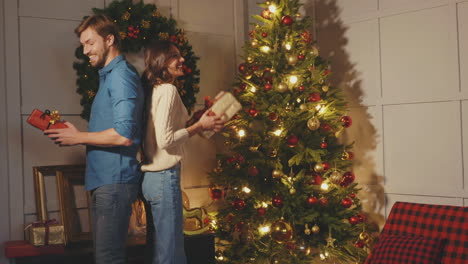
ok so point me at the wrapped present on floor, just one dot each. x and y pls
(49, 232)
(45, 120)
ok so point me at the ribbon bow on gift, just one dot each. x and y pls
(45, 224)
(54, 117)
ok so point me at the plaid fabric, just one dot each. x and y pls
(447, 223)
(406, 250)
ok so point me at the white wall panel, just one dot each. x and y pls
(399, 4)
(417, 59)
(464, 120)
(207, 16)
(423, 149)
(217, 62)
(462, 9)
(58, 9)
(392, 198)
(39, 150)
(47, 55)
(363, 51)
(356, 7)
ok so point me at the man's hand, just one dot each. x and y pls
(64, 136)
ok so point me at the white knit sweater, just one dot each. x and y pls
(165, 131)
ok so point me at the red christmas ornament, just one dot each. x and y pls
(266, 14)
(254, 67)
(264, 34)
(174, 39)
(326, 166)
(353, 220)
(253, 171)
(292, 141)
(325, 127)
(359, 244)
(273, 116)
(347, 121)
(239, 226)
(306, 37)
(312, 200)
(236, 116)
(287, 20)
(323, 201)
(290, 245)
(326, 72)
(314, 97)
(352, 195)
(242, 86)
(261, 211)
(323, 145)
(239, 204)
(253, 112)
(230, 160)
(301, 56)
(229, 218)
(188, 71)
(301, 88)
(362, 217)
(239, 158)
(346, 202)
(316, 179)
(268, 86)
(242, 68)
(347, 179)
(216, 194)
(277, 201)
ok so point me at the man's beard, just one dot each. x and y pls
(100, 63)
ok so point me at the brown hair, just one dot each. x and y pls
(103, 25)
(156, 55)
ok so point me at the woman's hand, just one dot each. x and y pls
(210, 121)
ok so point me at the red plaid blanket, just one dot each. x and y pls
(448, 223)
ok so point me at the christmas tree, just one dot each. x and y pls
(288, 192)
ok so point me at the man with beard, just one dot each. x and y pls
(112, 140)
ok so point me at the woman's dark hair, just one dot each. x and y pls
(156, 56)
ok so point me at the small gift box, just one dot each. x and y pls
(46, 233)
(45, 120)
(226, 104)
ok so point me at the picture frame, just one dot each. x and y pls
(67, 177)
(74, 203)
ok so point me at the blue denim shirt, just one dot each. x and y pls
(118, 104)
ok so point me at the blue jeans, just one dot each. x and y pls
(162, 192)
(111, 207)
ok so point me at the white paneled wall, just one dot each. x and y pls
(403, 65)
(40, 44)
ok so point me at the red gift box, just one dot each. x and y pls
(45, 120)
(22, 248)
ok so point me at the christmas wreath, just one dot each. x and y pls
(138, 25)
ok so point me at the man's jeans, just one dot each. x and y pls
(162, 192)
(111, 207)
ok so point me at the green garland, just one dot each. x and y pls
(138, 25)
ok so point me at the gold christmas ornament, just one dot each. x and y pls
(318, 167)
(335, 177)
(126, 16)
(307, 230)
(313, 123)
(254, 148)
(303, 107)
(303, 248)
(250, 59)
(276, 174)
(281, 231)
(325, 88)
(145, 23)
(273, 153)
(254, 44)
(122, 35)
(292, 59)
(345, 155)
(315, 229)
(364, 237)
(292, 191)
(282, 87)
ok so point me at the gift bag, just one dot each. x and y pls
(226, 104)
(45, 120)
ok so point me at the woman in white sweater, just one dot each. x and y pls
(166, 133)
